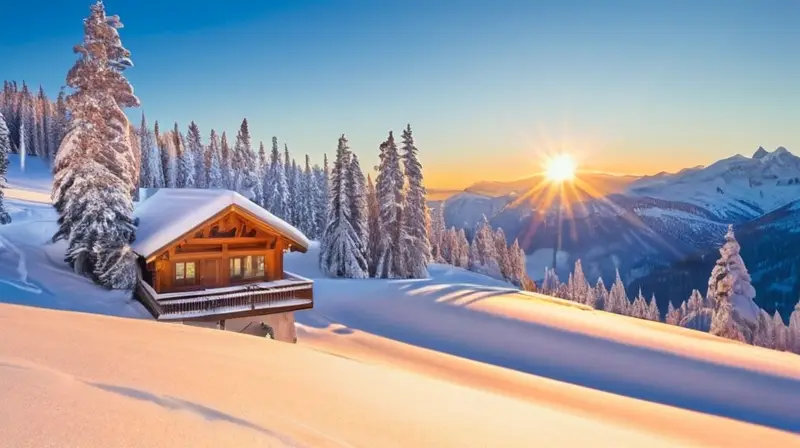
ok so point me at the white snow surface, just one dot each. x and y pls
(171, 212)
(455, 360)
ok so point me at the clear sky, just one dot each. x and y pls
(489, 86)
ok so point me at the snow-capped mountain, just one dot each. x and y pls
(638, 225)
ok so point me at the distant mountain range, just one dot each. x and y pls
(661, 231)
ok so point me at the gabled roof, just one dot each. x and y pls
(172, 212)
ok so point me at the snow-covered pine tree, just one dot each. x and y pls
(780, 332)
(277, 193)
(261, 174)
(94, 170)
(437, 232)
(639, 307)
(617, 297)
(448, 246)
(341, 253)
(580, 284)
(462, 260)
(415, 213)
(695, 302)
(320, 201)
(185, 158)
(308, 191)
(503, 257)
(172, 167)
(244, 163)
(194, 145)
(740, 292)
(227, 162)
(519, 274)
(216, 175)
(482, 253)
(550, 282)
(673, 316)
(152, 172)
(389, 185)
(652, 310)
(5, 150)
(373, 225)
(357, 192)
(723, 322)
(294, 197)
(793, 333)
(600, 295)
(765, 331)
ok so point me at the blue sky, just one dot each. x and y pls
(489, 87)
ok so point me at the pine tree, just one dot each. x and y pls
(373, 226)
(194, 145)
(357, 199)
(341, 253)
(243, 163)
(673, 316)
(415, 213)
(216, 175)
(320, 199)
(617, 297)
(308, 187)
(462, 258)
(277, 193)
(437, 233)
(652, 310)
(5, 150)
(227, 162)
(741, 311)
(780, 332)
(389, 186)
(482, 253)
(152, 172)
(551, 282)
(169, 153)
(793, 333)
(765, 331)
(600, 295)
(581, 285)
(639, 307)
(185, 158)
(261, 174)
(94, 171)
(503, 257)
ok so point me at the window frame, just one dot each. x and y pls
(243, 267)
(185, 280)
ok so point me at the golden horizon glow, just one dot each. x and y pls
(561, 168)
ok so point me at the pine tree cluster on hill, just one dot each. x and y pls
(381, 229)
(294, 193)
(95, 168)
(34, 122)
(488, 253)
(727, 310)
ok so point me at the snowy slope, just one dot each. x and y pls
(460, 358)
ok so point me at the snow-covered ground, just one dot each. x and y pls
(454, 360)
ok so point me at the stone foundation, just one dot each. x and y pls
(282, 326)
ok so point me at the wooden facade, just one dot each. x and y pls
(229, 266)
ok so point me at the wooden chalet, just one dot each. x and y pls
(211, 255)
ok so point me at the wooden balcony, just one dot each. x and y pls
(291, 293)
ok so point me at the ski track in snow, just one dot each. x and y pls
(22, 269)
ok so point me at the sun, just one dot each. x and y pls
(561, 168)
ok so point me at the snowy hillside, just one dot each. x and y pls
(496, 367)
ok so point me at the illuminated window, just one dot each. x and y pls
(251, 266)
(185, 273)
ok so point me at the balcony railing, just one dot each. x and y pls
(290, 293)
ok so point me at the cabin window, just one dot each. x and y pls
(185, 273)
(251, 266)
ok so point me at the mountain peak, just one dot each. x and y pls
(760, 153)
(781, 150)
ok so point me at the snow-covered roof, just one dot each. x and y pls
(169, 213)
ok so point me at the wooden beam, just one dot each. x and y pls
(192, 256)
(233, 240)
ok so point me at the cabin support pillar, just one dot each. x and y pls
(221, 325)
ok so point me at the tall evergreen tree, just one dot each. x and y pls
(373, 224)
(357, 192)
(216, 175)
(483, 253)
(306, 204)
(194, 145)
(277, 194)
(5, 150)
(390, 197)
(342, 250)
(185, 158)
(321, 201)
(152, 172)
(94, 172)
(244, 163)
(261, 173)
(227, 162)
(415, 213)
(741, 311)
